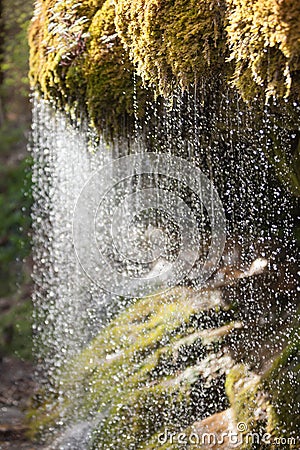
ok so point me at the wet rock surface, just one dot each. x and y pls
(17, 386)
(218, 427)
(173, 363)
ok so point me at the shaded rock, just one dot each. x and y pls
(12, 424)
(269, 404)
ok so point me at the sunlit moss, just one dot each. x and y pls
(264, 41)
(78, 62)
(84, 56)
(173, 42)
(181, 42)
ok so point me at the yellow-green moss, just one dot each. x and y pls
(84, 54)
(242, 389)
(264, 41)
(283, 384)
(77, 61)
(74, 43)
(173, 41)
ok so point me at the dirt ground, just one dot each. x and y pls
(17, 385)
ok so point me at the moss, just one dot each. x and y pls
(283, 384)
(264, 46)
(109, 73)
(169, 42)
(78, 62)
(84, 57)
(173, 41)
(126, 344)
(42, 414)
(242, 389)
(142, 413)
(269, 404)
(144, 370)
(286, 162)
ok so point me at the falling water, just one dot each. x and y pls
(65, 300)
(214, 135)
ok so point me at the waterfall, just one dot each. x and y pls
(134, 216)
(65, 300)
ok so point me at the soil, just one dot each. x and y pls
(17, 385)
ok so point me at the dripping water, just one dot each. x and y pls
(214, 134)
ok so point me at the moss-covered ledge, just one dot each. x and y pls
(78, 62)
(84, 57)
(256, 46)
(264, 42)
(169, 42)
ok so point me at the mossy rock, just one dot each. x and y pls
(106, 61)
(269, 404)
(77, 62)
(150, 367)
(173, 42)
(282, 382)
(181, 42)
(264, 45)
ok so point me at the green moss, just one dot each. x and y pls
(126, 347)
(78, 62)
(171, 42)
(42, 414)
(242, 389)
(264, 46)
(181, 42)
(84, 57)
(283, 384)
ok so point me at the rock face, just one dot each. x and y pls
(213, 432)
(269, 405)
(17, 386)
(159, 369)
